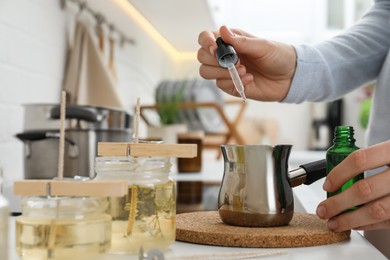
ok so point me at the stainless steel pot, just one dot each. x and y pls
(41, 151)
(256, 189)
(85, 127)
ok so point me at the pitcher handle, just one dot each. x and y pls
(308, 173)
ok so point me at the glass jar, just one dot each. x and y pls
(146, 216)
(63, 227)
(4, 212)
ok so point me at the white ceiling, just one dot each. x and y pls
(179, 21)
(298, 21)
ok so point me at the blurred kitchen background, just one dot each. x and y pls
(143, 43)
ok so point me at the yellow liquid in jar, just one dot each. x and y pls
(62, 238)
(153, 224)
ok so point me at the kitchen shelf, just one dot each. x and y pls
(212, 140)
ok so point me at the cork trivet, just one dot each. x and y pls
(207, 228)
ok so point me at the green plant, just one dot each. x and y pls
(168, 107)
(365, 105)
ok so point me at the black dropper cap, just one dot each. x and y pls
(225, 53)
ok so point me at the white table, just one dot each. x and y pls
(356, 248)
(307, 198)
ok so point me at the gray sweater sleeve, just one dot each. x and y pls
(329, 70)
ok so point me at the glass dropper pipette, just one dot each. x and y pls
(236, 80)
(227, 58)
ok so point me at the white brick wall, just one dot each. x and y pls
(32, 51)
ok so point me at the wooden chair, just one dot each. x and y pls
(212, 140)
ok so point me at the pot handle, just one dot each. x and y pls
(76, 112)
(38, 135)
(308, 173)
(32, 136)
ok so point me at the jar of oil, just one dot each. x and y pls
(146, 216)
(4, 212)
(63, 228)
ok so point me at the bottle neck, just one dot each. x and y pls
(344, 135)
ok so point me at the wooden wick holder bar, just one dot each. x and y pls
(115, 188)
(147, 150)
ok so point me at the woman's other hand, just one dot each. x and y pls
(373, 193)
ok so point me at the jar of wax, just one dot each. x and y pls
(145, 217)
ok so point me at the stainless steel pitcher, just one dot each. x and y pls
(256, 189)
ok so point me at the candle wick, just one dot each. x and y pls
(60, 170)
(136, 124)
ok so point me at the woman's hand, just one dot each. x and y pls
(373, 192)
(266, 68)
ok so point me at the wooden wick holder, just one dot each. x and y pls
(147, 150)
(115, 188)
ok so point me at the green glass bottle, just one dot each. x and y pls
(343, 145)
